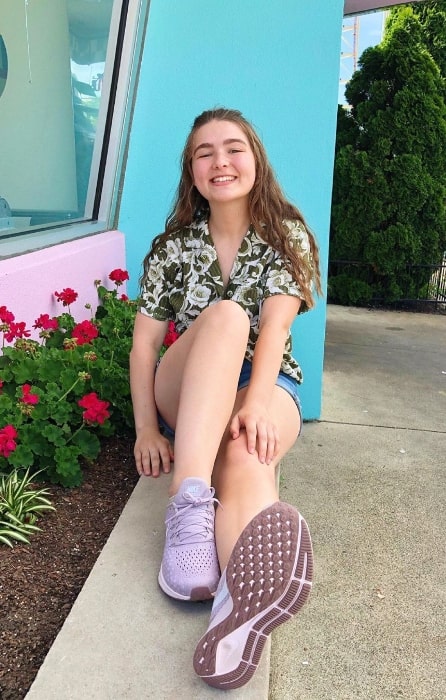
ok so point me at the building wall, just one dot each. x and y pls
(278, 64)
(28, 282)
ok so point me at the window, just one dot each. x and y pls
(61, 78)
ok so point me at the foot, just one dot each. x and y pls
(190, 570)
(267, 580)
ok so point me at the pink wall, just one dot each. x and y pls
(28, 282)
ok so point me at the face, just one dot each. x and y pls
(223, 164)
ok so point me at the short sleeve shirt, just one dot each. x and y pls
(184, 277)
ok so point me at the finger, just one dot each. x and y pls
(138, 460)
(234, 428)
(251, 436)
(166, 453)
(262, 443)
(272, 446)
(155, 463)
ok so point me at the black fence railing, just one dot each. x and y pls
(431, 295)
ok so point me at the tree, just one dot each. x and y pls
(389, 189)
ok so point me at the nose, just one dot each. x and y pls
(220, 159)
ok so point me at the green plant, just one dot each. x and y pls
(389, 187)
(20, 506)
(60, 394)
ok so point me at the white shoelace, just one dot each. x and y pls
(192, 523)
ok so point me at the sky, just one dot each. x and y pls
(370, 32)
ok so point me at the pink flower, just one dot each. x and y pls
(118, 276)
(8, 435)
(85, 332)
(67, 296)
(16, 330)
(171, 336)
(96, 409)
(27, 397)
(46, 323)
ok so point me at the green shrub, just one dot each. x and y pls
(59, 395)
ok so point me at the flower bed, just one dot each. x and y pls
(62, 393)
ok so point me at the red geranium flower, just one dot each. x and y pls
(85, 332)
(8, 444)
(171, 336)
(27, 397)
(118, 276)
(46, 323)
(1, 385)
(5, 315)
(124, 297)
(96, 409)
(67, 296)
(16, 330)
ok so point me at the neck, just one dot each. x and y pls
(230, 221)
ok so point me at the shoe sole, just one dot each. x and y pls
(269, 578)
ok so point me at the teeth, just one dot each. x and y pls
(226, 178)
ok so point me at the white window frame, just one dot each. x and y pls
(32, 240)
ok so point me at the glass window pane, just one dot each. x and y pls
(52, 100)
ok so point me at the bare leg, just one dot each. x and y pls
(196, 386)
(243, 485)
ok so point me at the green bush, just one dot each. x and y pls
(348, 290)
(59, 395)
(389, 189)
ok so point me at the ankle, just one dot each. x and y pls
(177, 484)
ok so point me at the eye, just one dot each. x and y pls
(235, 150)
(204, 155)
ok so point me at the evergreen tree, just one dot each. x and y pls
(389, 188)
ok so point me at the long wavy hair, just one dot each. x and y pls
(268, 206)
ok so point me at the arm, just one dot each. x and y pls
(278, 313)
(152, 450)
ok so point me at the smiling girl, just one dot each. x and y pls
(233, 268)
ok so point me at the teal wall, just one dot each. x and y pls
(276, 62)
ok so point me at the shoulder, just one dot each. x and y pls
(298, 235)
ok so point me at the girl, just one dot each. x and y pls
(234, 266)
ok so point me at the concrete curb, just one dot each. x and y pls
(123, 637)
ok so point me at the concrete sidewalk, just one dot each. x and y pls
(370, 480)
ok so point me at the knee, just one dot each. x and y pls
(238, 470)
(228, 315)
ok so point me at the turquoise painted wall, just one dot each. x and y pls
(276, 62)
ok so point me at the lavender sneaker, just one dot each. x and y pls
(190, 570)
(267, 580)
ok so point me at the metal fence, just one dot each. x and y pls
(433, 297)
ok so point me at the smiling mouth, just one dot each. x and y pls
(224, 178)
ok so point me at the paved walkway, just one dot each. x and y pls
(370, 479)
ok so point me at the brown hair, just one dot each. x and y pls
(268, 206)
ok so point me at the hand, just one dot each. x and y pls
(261, 432)
(152, 452)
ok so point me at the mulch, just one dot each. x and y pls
(39, 582)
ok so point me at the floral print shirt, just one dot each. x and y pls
(184, 277)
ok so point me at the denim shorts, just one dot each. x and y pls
(283, 380)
